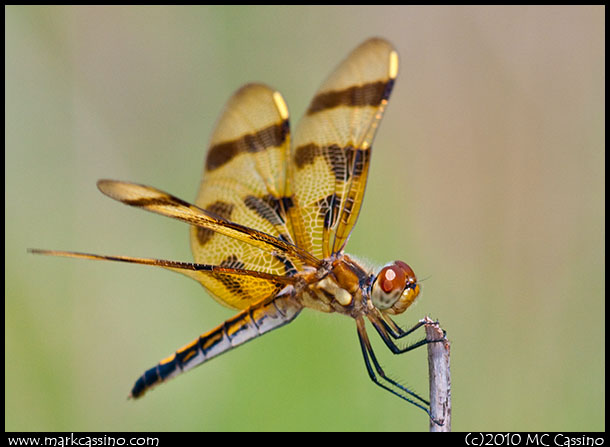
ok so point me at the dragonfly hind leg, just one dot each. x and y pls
(379, 377)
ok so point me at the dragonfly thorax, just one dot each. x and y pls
(337, 287)
(394, 288)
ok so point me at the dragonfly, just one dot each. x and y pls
(274, 212)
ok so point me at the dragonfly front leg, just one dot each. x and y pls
(395, 331)
(388, 330)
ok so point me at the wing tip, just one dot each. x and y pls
(377, 41)
(108, 187)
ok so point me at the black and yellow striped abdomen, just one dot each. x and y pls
(246, 325)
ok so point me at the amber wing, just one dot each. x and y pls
(244, 181)
(331, 150)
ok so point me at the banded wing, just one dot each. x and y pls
(243, 284)
(332, 145)
(233, 291)
(271, 307)
(244, 181)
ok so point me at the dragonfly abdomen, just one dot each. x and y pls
(246, 325)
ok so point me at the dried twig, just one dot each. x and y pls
(440, 377)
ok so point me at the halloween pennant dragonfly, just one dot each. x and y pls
(274, 212)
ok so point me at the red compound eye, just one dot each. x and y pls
(395, 288)
(392, 277)
(409, 273)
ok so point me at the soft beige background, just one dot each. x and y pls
(487, 177)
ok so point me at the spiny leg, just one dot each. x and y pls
(369, 356)
(395, 331)
(386, 327)
(386, 335)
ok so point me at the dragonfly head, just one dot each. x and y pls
(394, 288)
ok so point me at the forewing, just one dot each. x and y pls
(331, 150)
(251, 241)
(244, 181)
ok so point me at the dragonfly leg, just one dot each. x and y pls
(387, 332)
(395, 331)
(383, 380)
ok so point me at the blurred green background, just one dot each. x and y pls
(487, 178)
